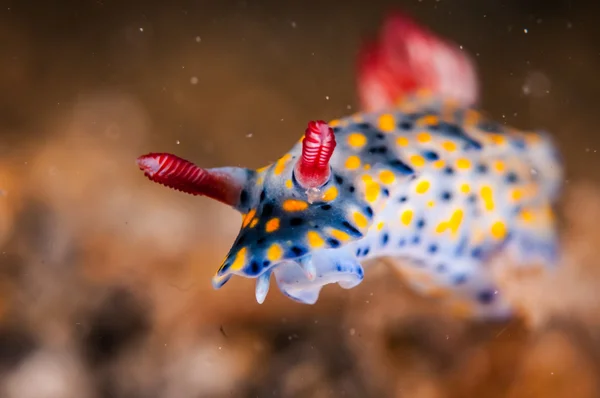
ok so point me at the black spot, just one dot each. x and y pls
(254, 267)
(405, 125)
(350, 228)
(267, 210)
(432, 248)
(378, 149)
(402, 199)
(482, 168)
(337, 129)
(486, 297)
(261, 241)
(369, 211)
(512, 177)
(454, 131)
(296, 221)
(263, 194)
(380, 136)
(401, 167)
(459, 279)
(430, 155)
(446, 195)
(421, 223)
(243, 197)
(326, 207)
(386, 192)
(351, 188)
(298, 251)
(266, 263)
(240, 240)
(448, 170)
(338, 179)
(333, 242)
(384, 239)
(364, 126)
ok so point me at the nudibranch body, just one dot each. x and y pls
(429, 181)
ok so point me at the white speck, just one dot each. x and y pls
(461, 47)
(198, 39)
(219, 347)
(249, 135)
(314, 195)
(352, 332)
(141, 29)
(525, 30)
(526, 89)
(447, 337)
(587, 149)
(194, 80)
(327, 97)
(281, 120)
(178, 142)
(294, 24)
(348, 107)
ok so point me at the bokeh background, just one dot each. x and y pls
(105, 277)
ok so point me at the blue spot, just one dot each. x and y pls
(489, 126)
(446, 195)
(432, 248)
(460, 249)
(482, 168)
(454, 131)
(486, 296)
(449, 170)
(351, 229)
(402, 242)
(441, 268)
(386, 192)
(266, 263)
(366, 251)
(254, 267)
(298, 251)
(405, 126)
(401, 167)
(402, 199)
(384, 239)
(430, 155)
(460, 279)
(358, 252)
(512, 177)
(369, 211)
(339, 268)
(421, 223)
(477, 253)
(333, 242)
(360, 271)
(519, 143)
(416, 240)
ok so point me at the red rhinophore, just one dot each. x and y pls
(312, 169)
(407, 57)
(182, 175)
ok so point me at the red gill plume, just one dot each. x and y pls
(312, 169)
(182, 175)
(407, 57)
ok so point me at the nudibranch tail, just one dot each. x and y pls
(224, 185)
(407, 58)
(312, 169)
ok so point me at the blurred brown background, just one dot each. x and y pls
(105, 278)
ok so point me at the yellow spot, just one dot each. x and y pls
(294, 205)
(449, 146)
(406, 217)
(428, 120)
(417, 160)
(455, 221)
(260, 179)
(387, 177)
(380, 225)
(314, 239)
(372, 192)
(423, 137)
(334, 123)
(367, 166)
(360, 220)
(330, 194)
(288, 183)
(387, 123)
(499, 230)
(353, 162)
(240, 260)
(366, 178)
(497, 139)
(465, 188)
(438, 164)
(262, 169)
(488, 198)
(248, 217)
(339, 235)
(431, 203)
(499, 165)
(527, 216)
(463, 163)
(517, 195)
(281, 163)
(253, 223)
(272, 225)
(422, 187)
(274, 253)
(402, 141)
(357, 140)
